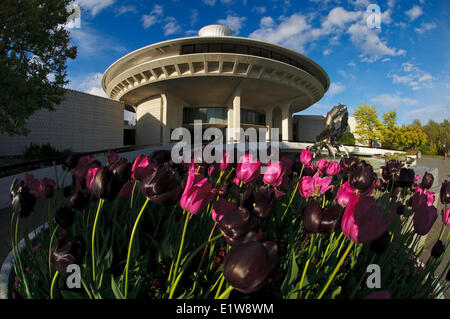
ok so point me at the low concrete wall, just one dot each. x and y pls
(82, 122)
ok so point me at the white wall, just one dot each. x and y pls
(82, 122)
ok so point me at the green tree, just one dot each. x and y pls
(368, 128)
(390, 129)
(409, 137)
(438, 136)
(34, 48)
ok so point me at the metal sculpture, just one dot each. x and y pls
(336, 124)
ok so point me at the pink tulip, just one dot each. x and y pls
(247, 169)
(197, 194)
(322, 165)
(344, 194)
(314, 186)
(419, 193)
(363, 221)
(446, 217)
(274, 174)
(141, 168)
(306, 157)
(333, 168)
(416, 178)
(33, 184)
(82, 167)
(90, 177)
(46, 187)
(222, 207)
(424, 216)
(213, 170)
(225, 162)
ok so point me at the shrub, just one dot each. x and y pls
(347, 139)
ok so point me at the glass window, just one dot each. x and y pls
(252, 117)
(209, 115)
(187, 49)
(215, 47)
(228, 48)
(242, 49)
(201, 48)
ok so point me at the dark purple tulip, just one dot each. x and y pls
(264, 201)
(311, 217)
(331, 219)
(235, 223)
(22, 201)
(247, 238)
(308, 170)
(438, 249)
(427, 180)
(64, 217)
(78, 200)
(406, 178)
(223, 190)
(400, 209)
(380, 185)
(122, 169)
(66, 252)
(444, 194)
(71, 161)
(247, 267)
(347, 163)
(106, 184)
(391, 168)
(160, 157)
(161, 186)
(380, 245)
(361, 177)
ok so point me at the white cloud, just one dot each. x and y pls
(194, 17)
(259, 10)
(372, 47)
(327, 52)
(89, 42)
(94, 6)
(291, 32)
(414, 13)
(296, 32)
(234, 22)
(412, 76)
(394, 101)
(436, 112)
(90, 83)
(125, 9)
(424, 27)
(335, 88)
(171, 26)
(153, 17)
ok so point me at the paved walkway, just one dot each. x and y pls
(39, 216)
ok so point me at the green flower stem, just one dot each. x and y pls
(333, 274)
(18, 257)
(442, 231)
(215, 284)
(326, 250)
(13, 245)
(130, 245)
(175, 271)
(100, 204)
(220, 287)
(64, 178)
(231, 171)
(209, 238)
(193, 254)
(132, 194)
(50, 252)
(293, 194)
(53, 284)
(304, 274)
(226, 293)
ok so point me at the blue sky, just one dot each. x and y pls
(402, 66)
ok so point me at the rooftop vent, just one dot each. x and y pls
(215, 30)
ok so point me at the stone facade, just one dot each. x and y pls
(82, 122)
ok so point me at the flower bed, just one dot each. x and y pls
(154, 229)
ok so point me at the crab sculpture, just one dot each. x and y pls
(336, 124)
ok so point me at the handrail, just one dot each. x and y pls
(57, 160)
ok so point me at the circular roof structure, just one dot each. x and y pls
(185, 67)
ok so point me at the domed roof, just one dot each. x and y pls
(215, 30)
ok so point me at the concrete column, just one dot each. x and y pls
(268, 123)
(286, 124)
(237, 110)
(230, 122)
(164, 119)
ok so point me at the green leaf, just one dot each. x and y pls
(117, 293)
(291, 275)
(336, 292)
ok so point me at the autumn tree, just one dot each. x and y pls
(34, 49)
(368, 128)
